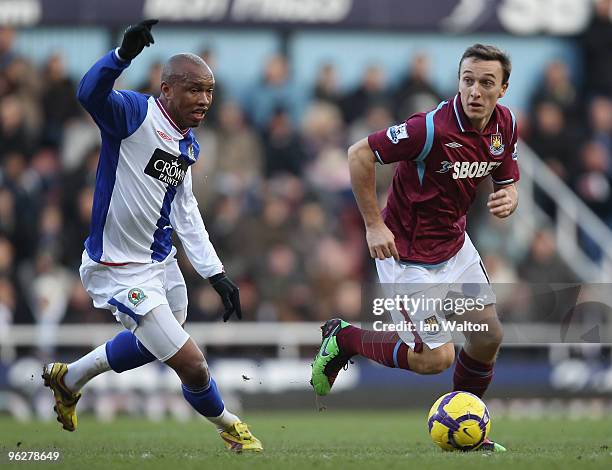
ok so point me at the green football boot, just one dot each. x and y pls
(489, 446)
(330, 360)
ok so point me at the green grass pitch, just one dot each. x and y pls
(307, 440)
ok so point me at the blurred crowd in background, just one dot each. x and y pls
(273, 187)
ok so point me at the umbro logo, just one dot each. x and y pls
(453, 145)
(163, 135)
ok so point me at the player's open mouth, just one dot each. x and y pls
(475, 105)
(199, 115)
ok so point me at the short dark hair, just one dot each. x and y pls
(487, 52)
(172, 70)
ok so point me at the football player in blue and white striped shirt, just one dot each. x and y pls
(143, 194)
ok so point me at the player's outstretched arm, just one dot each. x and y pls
(116, 113)
(362, 167)
(503, 201)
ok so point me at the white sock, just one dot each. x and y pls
(224, 421)
(83, 370)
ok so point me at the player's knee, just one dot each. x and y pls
(443, 359)
(195, 374)
(491, 337)
(435, 361)
(193, 370)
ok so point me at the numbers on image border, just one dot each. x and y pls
(33, 456)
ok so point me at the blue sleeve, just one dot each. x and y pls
(118, 113)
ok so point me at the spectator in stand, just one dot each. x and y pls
(7, 257)
(24, 185)
(326, 86)
(77, 227)
(551, 140)
(376, 117)
(283, 148)
(24, 83)
(497, 238)
(16, 310)
(50, 231)
(596, 46)
(415, 93)
(239, 149)
(50, 285)
(14, 132)
(542, 263)
(284, 286)
(8, 214)
(593, 185)
(558, 88)
(370, 92)
(275, 92)
(7, 313)
(7, 40)
(150, 86)
(542, 267)
(79, 136)
(592, 182)
(322, 129)
(59, 103)
(600, 120)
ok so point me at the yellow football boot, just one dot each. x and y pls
(238, 438)
(65, 401)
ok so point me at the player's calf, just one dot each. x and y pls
(476, 360)
(484, 345)
(340, 341)
(190, 365)
(201, 392)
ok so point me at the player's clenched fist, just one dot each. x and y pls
(503, 202)
(136, 38)
(229, 293)
(381, 242)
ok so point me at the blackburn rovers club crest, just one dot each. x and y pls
(497, 146)
(136, 296)
(191, 152)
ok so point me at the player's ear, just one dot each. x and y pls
(504, 87)
(166, 90)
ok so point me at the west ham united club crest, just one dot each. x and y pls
(497, 146)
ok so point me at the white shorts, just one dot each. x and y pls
(461, 276)
(132, 291)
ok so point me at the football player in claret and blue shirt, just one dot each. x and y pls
(419, 239)
(143, 194)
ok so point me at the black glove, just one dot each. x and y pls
(230, 295)
(135, 39)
